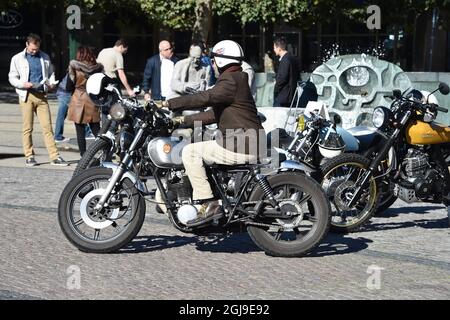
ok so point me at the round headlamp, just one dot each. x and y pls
(380, 117)
(117, 112)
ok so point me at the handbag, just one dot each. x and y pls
(69, 84)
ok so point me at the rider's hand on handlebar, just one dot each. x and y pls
(161, 104)
(147, 97)
(131, 93)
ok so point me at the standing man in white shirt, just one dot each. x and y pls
(158, 73)
(112, 60)
(31, 73)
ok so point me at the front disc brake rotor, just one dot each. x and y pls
(343, 194)
(93, 220)
(331, 185)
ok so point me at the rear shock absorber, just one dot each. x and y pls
(267, 189)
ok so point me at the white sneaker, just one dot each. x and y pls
(63, 140)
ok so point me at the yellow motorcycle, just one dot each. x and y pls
(418, 170)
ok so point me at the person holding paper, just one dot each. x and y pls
(31, 73)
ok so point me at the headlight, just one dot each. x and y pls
(380, 117)
(117, 112)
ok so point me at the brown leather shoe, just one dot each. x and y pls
(208, 211)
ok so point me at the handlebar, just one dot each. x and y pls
(442, 110)
(424, 106)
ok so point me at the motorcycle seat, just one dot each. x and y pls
(263, 161)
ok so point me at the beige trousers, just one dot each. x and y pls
(37, 104)
(195, 154)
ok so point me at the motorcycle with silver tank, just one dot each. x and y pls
(102, 209)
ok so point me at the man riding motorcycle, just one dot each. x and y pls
(234, 110)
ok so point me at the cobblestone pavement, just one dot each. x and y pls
(411, 247)
(408, 247)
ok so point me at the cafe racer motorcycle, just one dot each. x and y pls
(102, 209)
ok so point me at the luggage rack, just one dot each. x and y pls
(295, 109)
(290, 125)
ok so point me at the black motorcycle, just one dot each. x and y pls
(418, 170)
(317, 146)
(103, 208)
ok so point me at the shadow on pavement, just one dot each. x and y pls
(155, 243)
(335, 244)
(239, 242)
(10, 156)
(395, 212)
(424, 223)
(229, 242)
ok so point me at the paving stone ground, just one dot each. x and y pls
(409, 245)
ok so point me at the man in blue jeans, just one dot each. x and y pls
(64, 97)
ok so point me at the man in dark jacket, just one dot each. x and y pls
(233, 108)
(287, 75)
(158, 73)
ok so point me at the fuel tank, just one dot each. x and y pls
(423, 133)
(165, 152)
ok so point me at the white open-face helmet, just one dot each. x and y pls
(95, 88)
(227, 52)
(431, 98)
(331, 144)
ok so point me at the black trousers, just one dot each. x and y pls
(81, 138)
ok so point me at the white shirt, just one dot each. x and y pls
(112, 60)
(166, 77)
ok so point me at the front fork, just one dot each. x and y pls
(364, 180)
(118, 173)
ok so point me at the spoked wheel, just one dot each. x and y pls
(300, 223)
(339, 177)
(99, 151)
(106, 230)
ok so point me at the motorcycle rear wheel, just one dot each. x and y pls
(298, 239)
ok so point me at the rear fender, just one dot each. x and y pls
(295, 165)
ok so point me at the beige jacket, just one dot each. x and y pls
(19, 72)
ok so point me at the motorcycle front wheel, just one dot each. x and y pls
(338, 180)
(99, 151)
(306, 218)
(109, 229)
